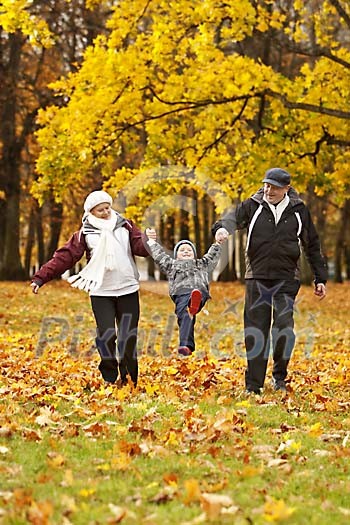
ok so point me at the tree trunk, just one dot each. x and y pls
(56, 218)
(182, 216)
(150, 269)
(205, 210)
(11, 266)
(30, 241)
(341, 242)
(164, 232)
(225, 274)
(241, 254)
(338, 278)
(347, 261)
(40, 237)
(2, 227)
(197, 225)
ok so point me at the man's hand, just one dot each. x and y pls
(221, 235)
(320, 290)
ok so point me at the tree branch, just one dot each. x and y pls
(216, 141)
(341, 11)
(186, 106)
(318, 52)
(309, 107)
(330, 140)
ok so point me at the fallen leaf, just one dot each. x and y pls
(276, 510)
(192, 491)
(212, 504)
(118, 513)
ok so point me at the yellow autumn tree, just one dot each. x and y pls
(201, 85)
(39, 41)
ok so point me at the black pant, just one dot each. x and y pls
(267, 300)
(184, 320)
(123, 312)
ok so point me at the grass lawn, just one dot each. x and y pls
(187, 446)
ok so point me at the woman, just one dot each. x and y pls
(111, 279)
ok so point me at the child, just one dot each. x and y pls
(188, 283)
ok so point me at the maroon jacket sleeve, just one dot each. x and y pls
(138, 240)
(63, 259)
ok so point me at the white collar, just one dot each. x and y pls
(279, 208)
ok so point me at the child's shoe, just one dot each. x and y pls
(195, 302)
(184, 350)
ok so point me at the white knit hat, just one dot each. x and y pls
(94, 198)
(185, 241)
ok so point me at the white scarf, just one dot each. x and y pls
(105, 256)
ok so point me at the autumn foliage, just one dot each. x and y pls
(153, 99)
(187, 446)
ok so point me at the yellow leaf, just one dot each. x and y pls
(86, 493)
(315, 430)
(276, 510)
(192, 491)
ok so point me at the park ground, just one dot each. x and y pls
(186, 446)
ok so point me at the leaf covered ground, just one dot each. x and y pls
(187, 446)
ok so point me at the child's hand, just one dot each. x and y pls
(151, 233)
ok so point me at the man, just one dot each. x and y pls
(277, 223)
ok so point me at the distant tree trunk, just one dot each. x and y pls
(225, 274)
(11, 266)
(197, 224)
(30, 241)
(181, 217)
(317, 208)
(338, 278)
(234, 270)
(56, 218)
(241, 247)
(341, 242)
(166, 234)
(347, 261)
(2, 227)
(205, 209)
(305, 270)
(25, 72)
(150, 269)
(183, 224)
(40, 237)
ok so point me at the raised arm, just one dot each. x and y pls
(211, 258)
(164, 261)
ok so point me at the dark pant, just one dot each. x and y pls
(123, 312)
(266, 301)
(184, 320)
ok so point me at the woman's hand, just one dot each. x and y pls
(151, 233)
(35, 287)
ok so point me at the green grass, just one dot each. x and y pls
(70, 450)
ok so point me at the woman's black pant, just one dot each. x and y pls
(117, 320)
(268, 318)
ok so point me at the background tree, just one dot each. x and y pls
(39, 42)
(202, 97)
